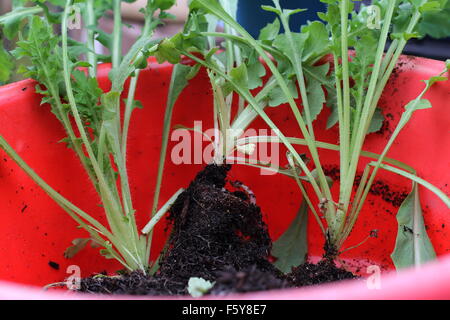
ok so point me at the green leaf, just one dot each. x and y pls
(11, 20)
(240, 76)
(180, 76)
(411, 107)
(277, 97)
(317, 40)
(162, 4)
(282, 43)
(255, 73)
(167, 52)
(290, 12)
(413, 246)
(430, 6)
(418, 105)
(436, 23)
(377, 121)
(6, 64)
(291, 247)
(270, 31)
(78, 245)
(316, 95)
(271, 9)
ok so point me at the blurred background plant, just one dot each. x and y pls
(133, 20)
(435, 28)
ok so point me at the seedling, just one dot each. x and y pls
(294, 60)
(98, 134)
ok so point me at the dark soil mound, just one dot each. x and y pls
(247, 280)
(218, 235)
(214, 229)
(133, 283)
(311, 274)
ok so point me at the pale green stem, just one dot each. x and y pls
(132, 91)
(255, 105)
(117, 34)
(91, 22)
(112, 208)
(347, 183)
(161, 212)
(305, 195)
(251, 41)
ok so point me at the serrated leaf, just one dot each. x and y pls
(6, 64)
(291, 247)
(135, 105)
(271, 9)
(413, 246)
(277, 97)
(270, 31)
(377, 121)
(282, 43)
(255, 73)
(78, 245)
(316, 95)
(167, 52)
(240, 76)
(436, 23)
(317, 40)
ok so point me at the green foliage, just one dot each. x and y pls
(69, 85)
(291, 247)
(236, 73)
(412, 246)
(436, 23)
(299, 72)
(7, 65)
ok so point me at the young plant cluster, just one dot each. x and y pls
(98, 132)
(351, 86)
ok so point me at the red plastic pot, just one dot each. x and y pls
(35, 232)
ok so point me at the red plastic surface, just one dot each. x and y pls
(35, 231)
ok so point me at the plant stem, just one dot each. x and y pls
(156, 217)
(117, 34)
(146, 31)
(347, 182)
(91, 22)
(112, 208)
(305, 195)
(418, 180)
(344, 136)
(255, 105)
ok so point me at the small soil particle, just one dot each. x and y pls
(53, 265)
